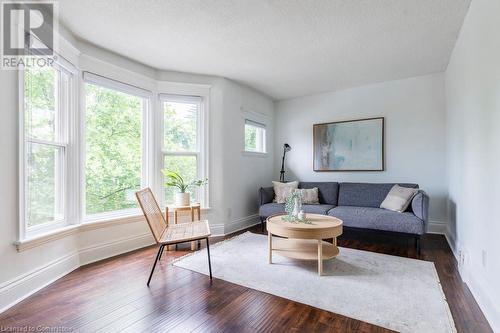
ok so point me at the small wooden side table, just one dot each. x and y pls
(194, 207)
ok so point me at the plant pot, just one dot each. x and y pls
(182, 199)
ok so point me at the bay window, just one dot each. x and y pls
(115, 145)
(87, 145)
(182, 142)
(45, 121)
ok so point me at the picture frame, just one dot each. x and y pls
(349, 145)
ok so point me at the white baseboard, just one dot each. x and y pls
(17, 289)
(437, 227)
(110, 249)
(491, 310)
(241, 223)
(217, 229)
(234, 225)
(452, 244)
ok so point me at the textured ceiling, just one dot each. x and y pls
(280, 47)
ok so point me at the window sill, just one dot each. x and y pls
(254, 154)
(47, 237)
(112, 216)
(109, 222)
(40, 239)
(43, 238)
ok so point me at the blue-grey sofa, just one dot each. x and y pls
(358, 206)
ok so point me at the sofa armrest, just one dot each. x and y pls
(266, 195)
(420, 206)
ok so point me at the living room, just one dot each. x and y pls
(252, 166)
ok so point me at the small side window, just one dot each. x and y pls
(255, 137)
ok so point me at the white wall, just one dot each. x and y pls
(230, 172)
(414, 111)
(244, 173)
(473, 118)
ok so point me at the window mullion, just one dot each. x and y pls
(46, 142)
(179, 153)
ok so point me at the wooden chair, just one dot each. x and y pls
(170, 234)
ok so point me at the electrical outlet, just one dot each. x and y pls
(484, 257)
(462, 258)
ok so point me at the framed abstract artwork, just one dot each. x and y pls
(352, 145)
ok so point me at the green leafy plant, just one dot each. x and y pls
(290, 203)
(289, 206)
(174, 179)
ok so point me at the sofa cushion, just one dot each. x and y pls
(276, 208)
(365, 194)
(327, 191)
(378, 219)
(271, 209)
(317, 209)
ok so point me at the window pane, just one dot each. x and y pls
(113, 149)
(255, 138)
(186, 166)
(180, 123)
(40, 90)
(250, 137)
(43, 184)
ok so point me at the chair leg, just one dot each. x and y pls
(262, 224)
(161, 255)
(418, 245)
(156, 260)
(209, 263)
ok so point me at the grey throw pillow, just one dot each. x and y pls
(398, 198)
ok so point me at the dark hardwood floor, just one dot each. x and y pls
(111, 296)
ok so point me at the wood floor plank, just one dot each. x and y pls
(112, 296)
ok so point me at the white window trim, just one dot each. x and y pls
(101, 81)
(75, 181)
(257, 153)
(68, 146)
(201, 97)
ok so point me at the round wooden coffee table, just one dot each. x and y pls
(304, 241)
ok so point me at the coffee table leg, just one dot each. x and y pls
(320, 256)
(270, 239)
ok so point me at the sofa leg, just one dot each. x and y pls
(417, 243)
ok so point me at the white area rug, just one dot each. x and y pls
(397, 293)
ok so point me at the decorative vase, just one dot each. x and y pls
(182, 199)
(297, 204)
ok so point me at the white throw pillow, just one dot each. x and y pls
(398, 198)
(283, 190)
(309, 196)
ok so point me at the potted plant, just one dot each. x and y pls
(174, 179)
